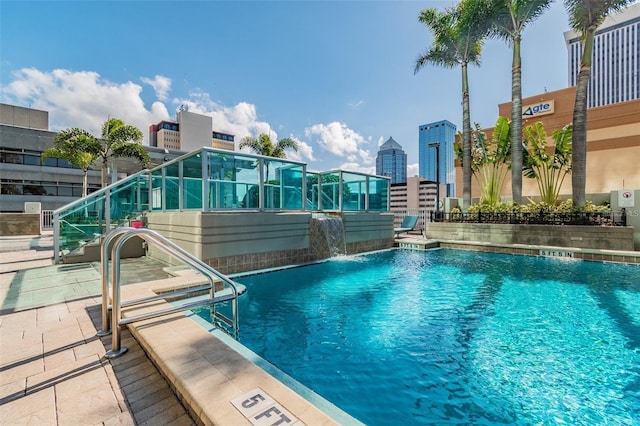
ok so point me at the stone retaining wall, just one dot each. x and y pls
(19, 224)
(589, 237)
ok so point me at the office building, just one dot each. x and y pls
(613, 144)
(615, 69)
(189, 132)
(414, 195)
(24, 135)
(392, 161)
(442, 133)
(24, 177)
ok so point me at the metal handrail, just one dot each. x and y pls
(120, 236)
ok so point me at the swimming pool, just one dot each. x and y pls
(455, 337)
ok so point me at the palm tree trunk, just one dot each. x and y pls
(85, 182)
(105, 173)
(466, 141)
(579, 141)
(516, 123)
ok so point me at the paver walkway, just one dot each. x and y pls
(52, 365)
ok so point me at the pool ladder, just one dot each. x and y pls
(112, 318)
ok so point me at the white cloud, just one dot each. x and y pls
(161, 85)
(341, 141)
(413, 169)
(355, 167)
(84, 99)
(356, 104)
(240, 120)
(305, 151)
(81, 99)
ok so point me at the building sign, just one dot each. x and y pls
(625, 198)
(535, 110)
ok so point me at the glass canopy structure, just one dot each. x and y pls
(217, 180)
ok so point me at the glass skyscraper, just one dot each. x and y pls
(392, 162)
(443, 132)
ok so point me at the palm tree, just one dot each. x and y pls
(120, 140)
(457, 41)
(509, 18)
(264, 146)
(78, 147)
(585, 16)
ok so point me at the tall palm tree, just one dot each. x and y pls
(458, 34)
(509, 19)
(264, 146)
(585, 16)
(77, 146)
(120, 140)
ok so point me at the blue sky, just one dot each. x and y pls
(335, 75)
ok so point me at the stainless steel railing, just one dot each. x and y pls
(112, 307)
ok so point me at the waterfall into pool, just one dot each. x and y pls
(327, 235)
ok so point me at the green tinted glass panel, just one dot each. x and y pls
(172, 187)
(378, 194)
(233, 181)
(354, 191)
(330, 191)
(291, 187)
(156, 190)
(192, 182)
(313, 191)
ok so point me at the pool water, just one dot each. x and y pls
(455, 337)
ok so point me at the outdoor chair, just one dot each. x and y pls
(408, 223)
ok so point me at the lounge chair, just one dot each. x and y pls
(408, 223)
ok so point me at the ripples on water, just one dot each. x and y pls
(455, 337)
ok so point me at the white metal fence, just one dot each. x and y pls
(46, 219)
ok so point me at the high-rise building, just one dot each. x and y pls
(443, 134)
(615, 69)
(190, 132)
(392, 161)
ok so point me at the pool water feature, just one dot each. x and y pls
(455, 337)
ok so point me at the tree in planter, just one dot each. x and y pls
(120, 140)
(548, 165)
(585, 16)
(78, 147)
(263, 145)
(458, 34)
(509, 18)
(490, 159)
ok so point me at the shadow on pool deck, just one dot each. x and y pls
(52, 365)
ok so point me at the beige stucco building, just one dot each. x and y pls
(613, 143)
(188, 133)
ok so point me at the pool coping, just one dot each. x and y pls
(208, 372)
(597, 255)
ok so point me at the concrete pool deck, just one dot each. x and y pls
(53, 368)
(52, 365)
